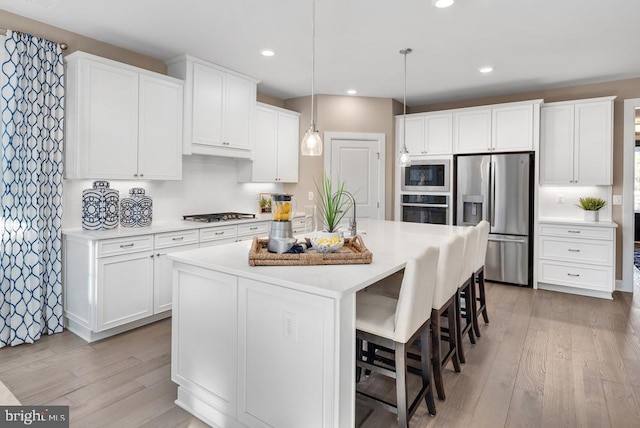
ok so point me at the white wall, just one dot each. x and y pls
(208, 185)
(551, 207)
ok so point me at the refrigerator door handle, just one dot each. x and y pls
(492, 194)
(515, 241)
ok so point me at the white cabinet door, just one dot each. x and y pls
(160, 129)
(438, 138)
(163, 277)
(472, 131)
(265, 162)
(576, 143)
(415, 135)
(556, 144)
(239, 111)
(512, 128)
(108, 119)
(276, 147)
(208, 108)
(288, 135)
(593, 144)
(124, 289)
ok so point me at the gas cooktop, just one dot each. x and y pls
(215, 217)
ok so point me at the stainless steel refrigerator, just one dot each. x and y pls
(498, 188)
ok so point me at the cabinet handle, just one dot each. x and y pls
(218, 233)
(253, 228)
(573, 231)
(573, 274)
(141, 175)
(159, 254)
(574, 251)
(127, 245)
(135, 175)
(152, 256)
(180, 238)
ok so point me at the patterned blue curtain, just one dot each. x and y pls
(31, 201)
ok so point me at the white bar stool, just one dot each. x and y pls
(395, 324)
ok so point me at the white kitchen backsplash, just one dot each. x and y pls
(560, 202)
(209, 184)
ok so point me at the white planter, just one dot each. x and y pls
(591, 215)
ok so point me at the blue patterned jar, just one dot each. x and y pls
(100, 207)
(137, 209)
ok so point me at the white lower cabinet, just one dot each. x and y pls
(166, 243)
(577, 258)
(124, 289)
(115, 284)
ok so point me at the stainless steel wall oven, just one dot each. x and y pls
(425, 208)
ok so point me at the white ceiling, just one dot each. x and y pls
(533, 44)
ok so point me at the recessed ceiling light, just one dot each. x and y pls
(267, 52)
(442, 3)
(352, 92)
(487, 69)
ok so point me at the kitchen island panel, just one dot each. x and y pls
(204, 341)
(286, 349)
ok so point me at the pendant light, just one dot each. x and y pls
(311, 144)
(403, 157)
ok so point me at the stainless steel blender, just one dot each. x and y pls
(281, 238)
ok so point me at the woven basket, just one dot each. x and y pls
(352, 252)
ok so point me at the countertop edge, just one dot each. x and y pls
(577, 222)
(160, 227)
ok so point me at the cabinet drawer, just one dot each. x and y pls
(576, 250)
(573, 231)
(117, 246)
(299, 224)
(215, 233)
(171, 239)
(253, 229)
(598, 278)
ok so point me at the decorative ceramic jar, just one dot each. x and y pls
(137, 209)
(100, 207)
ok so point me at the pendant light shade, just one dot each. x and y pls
(404, 159)
(311, 144)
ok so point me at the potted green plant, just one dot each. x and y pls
(591, 207)
(332, 205)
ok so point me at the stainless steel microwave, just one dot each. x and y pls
(426, 176)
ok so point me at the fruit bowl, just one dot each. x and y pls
(327, 245)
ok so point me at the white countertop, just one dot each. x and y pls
(578, 222)
(159, 227)
(392, 244)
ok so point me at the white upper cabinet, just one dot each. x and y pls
(276, 147)
(512, 128)
(498, 128)
(219, 108)
(472, 130)
(122, 122)
(427, 133)
(576, 142)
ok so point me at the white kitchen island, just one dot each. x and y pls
(274, 346)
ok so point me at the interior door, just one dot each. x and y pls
(356, 162)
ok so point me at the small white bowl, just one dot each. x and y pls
(324, 245)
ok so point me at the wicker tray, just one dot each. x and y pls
(352, 252)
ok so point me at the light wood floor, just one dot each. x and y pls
(546, 359)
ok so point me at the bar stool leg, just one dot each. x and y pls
(436, 360)
(401, 384)
(426, 370)
(454, 327)
(457, 326)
